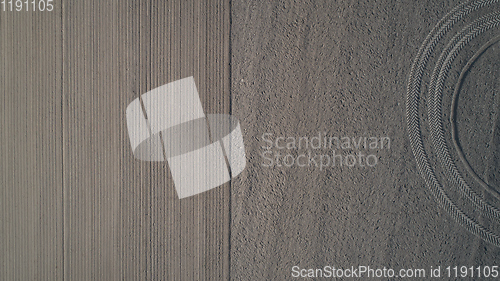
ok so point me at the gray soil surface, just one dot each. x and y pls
(76, 205)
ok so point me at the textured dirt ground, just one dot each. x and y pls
(341, 67)
(76, 205)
